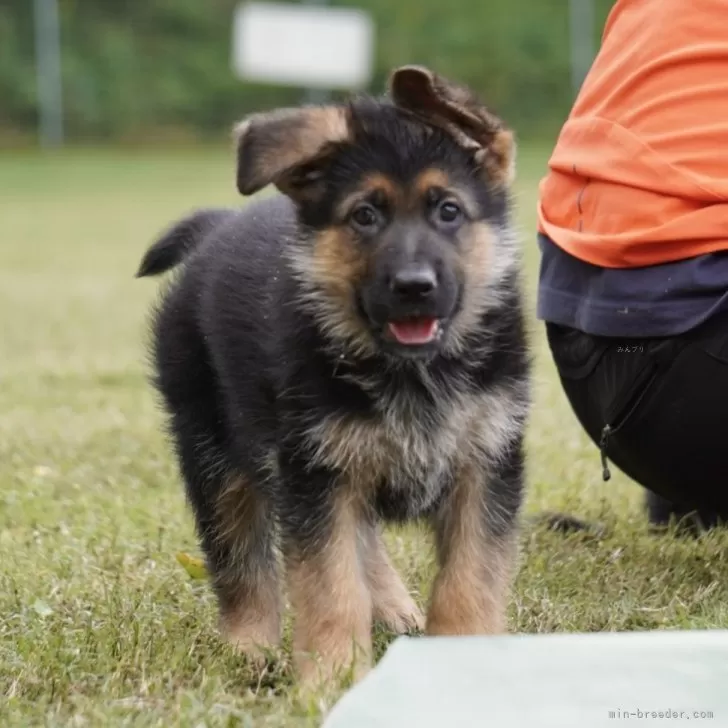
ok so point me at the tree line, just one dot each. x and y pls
(136, 69)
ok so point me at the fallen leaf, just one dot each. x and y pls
(193, 566)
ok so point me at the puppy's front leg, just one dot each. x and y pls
(477, 547)
(327, 587)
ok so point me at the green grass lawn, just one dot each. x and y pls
(99, 624)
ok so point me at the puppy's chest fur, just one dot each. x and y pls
(403, 454)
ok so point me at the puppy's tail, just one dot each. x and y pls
(175, 244)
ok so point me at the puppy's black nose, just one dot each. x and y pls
(414, 282)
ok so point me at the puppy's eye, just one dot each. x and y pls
(449, 212)
(364, 217)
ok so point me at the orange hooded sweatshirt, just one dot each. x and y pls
(639, 174)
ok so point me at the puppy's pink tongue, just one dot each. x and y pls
(414, 331)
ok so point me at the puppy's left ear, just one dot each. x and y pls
(458, 110)
(288, 148)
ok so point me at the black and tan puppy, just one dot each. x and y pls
(351, 352)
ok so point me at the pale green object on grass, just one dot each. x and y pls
(593, 680)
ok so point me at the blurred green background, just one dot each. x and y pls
(160, 70)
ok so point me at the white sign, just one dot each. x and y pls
(303, 45)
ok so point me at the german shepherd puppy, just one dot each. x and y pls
(348, 352)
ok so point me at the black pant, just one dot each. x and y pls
(658, 409)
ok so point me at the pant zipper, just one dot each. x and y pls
(606, 475)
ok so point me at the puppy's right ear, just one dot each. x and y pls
(288, 148)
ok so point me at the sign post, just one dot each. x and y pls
(48, 72)
(581, 35)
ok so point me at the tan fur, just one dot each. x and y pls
(331, 602)
(398, 446)
(276, 142)
(251, 615)
(414, 197)
(499, 159)
(254, 626)
(329, 274)
(477, 255)
(434, 178)
(471, 589)
(339, 262)
(382, 184)
(383, 448)
(428, 179)
(376, 183)
(391, 602)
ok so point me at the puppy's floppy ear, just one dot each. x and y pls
(286, 147)
(458, 110)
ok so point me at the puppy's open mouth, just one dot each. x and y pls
(414, 331)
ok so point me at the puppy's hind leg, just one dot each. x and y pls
(234, 523)
(246, 575)
(237, 532)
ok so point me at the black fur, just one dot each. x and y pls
(172, 247)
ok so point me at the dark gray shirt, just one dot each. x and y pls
(660, 300)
